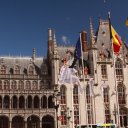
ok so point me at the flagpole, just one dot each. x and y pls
(114, 69)
(82, 59)
(83, 69)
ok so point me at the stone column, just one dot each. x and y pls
(25, 124)
(10, 123)
(40, 123)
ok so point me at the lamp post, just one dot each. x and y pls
(56, 95)
(115, 113)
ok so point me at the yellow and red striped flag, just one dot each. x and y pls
(117, 43)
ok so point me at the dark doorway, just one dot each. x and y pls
(47, 122)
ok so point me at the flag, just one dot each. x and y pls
(77, 52)
(126, 22)
(117, 43)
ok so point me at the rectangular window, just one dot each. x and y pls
(104, 71)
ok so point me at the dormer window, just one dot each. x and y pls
(3, 69)
(17, 70)
(31, 70)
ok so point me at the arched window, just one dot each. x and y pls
(28, 85)
(21, 102)
(0, 85)
(63, 104)
(89, 105)
(6, 85)
(121, 94)
(3, 69)
(14, 85)
(14, 102)
(104, 71)
(107, 105)
(44, 102)
(21, 85)
(36, 102)
(6, 102)
(50, 102)
(34, 85)
(76, 104)
(29, 102)
(63, 95)
(17, 70)
(119, 69)
(31, 70)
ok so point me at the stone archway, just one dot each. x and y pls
(18, 122)
(48, 122)
(4, 122)
(33, 122)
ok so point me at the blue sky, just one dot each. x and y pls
(24, 23)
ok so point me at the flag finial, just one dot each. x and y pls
(109, 14)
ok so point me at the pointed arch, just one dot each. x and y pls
(121, 94)
(76, 104)
(119, 69)
(31, 70)
(89, 105)
(107, 105)
(63, 94)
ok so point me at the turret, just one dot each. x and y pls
(49, 40)
(84, 40)
(34, 54)
(93, 53)
(55, 61)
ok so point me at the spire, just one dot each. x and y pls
(49, 34)
(49, 40)
(92, 37)
(54, 43)
(34, 54)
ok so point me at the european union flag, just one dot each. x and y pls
(77, 53)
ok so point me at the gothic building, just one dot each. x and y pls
(30, 96)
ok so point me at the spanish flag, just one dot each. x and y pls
(117, 43)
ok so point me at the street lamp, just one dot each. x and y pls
(56, 96)
(115, 113)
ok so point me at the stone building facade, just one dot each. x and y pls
(30, 96)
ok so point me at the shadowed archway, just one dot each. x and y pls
(48, 122)
(18, 122)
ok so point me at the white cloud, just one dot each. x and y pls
(65, 40)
